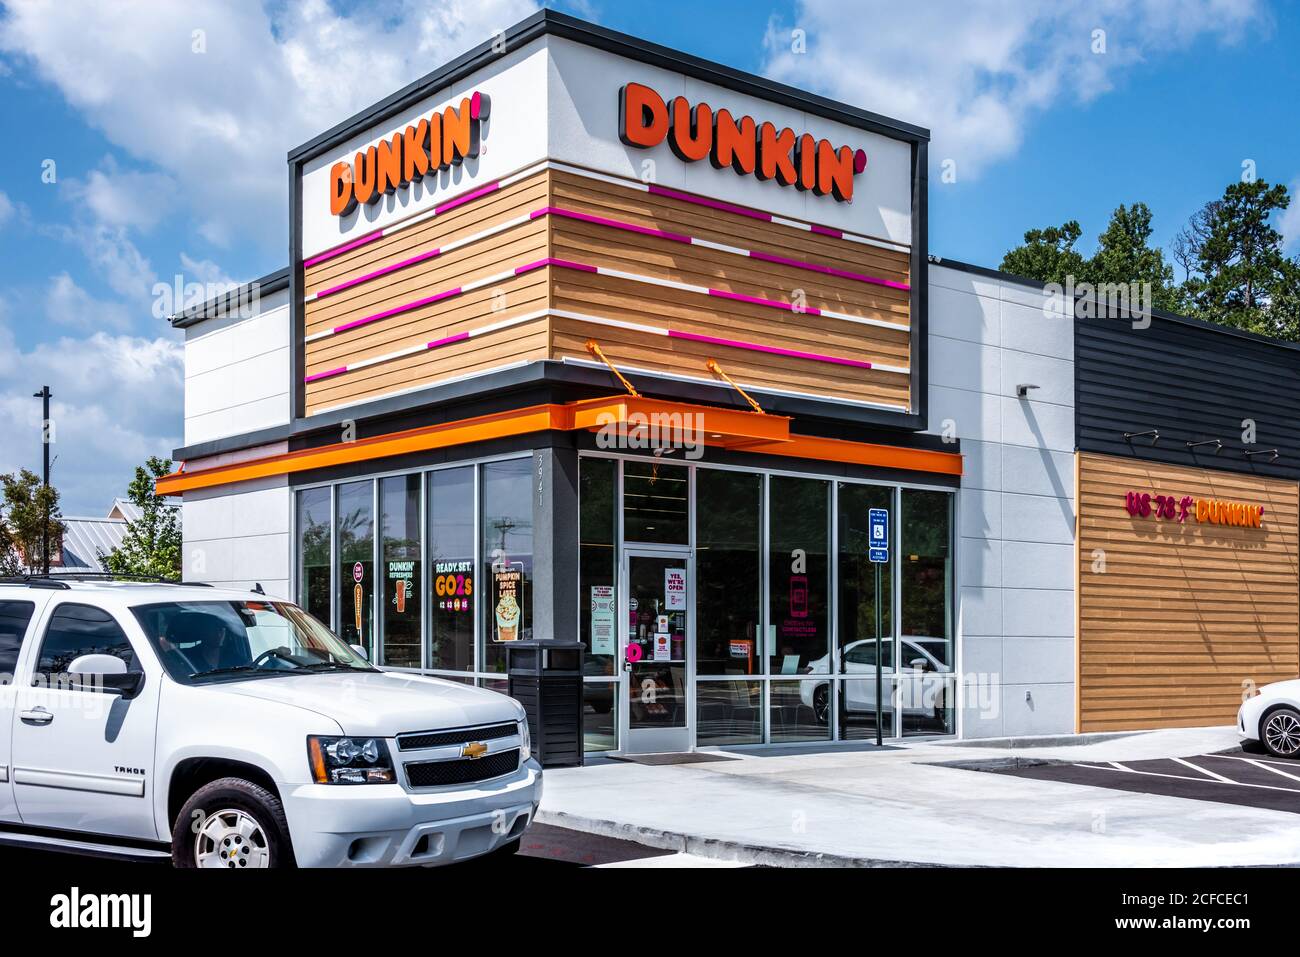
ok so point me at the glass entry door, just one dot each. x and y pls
(658, 651)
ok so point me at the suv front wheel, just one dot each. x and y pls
(232, 823)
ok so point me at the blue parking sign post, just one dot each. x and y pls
(878, 553)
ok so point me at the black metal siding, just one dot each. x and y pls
(1192, 383)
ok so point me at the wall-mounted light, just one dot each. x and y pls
(1152, 434)
(1217, 443)
(1022, 391)
(1271, 453)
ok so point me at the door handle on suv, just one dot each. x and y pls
(36, 716)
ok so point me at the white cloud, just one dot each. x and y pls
(116, 402)
(67, 304)
(976, 73)
(6, 208)
(124, 198)
(218, 123)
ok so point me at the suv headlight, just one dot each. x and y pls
(345, 760)
(525, 742)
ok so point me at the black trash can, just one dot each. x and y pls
(546, 678)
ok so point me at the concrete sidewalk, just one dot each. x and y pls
(901, 807)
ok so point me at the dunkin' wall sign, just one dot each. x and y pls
(444, 138)
(750, 148)
(1207, 511)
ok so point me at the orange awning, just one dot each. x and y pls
(634, 420)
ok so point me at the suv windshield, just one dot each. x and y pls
(201, 641)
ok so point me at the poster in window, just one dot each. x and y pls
(507, 609)
(675, 589)
(401, 579)
(602, 619)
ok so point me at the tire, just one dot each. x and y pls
(822, 704)
(1279, 732)
(232, 823)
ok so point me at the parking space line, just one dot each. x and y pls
(1269, 767)
(1217, 777)
(1239, 757)
(1184, 777)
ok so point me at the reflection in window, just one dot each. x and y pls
(861, 596)
(655, 502)
(451, 566)
(926, 686)
(507, 556)
(356, 567)
(314, 553)
(729, 579)
(729, 712)
(800, 710)
(600, 715)
(399, 502)
(798, 576)
(597, 566)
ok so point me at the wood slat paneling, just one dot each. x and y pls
(1184, 614)
(608, 297)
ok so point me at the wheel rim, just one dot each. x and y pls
(821, 705)
(231, 839)
(1282, 733)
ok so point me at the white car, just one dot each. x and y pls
(228, 729)
(1272, 717)
(924, 681)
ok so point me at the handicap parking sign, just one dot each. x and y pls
(878, 535)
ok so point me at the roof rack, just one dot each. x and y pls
(33, 581)
(61, 580)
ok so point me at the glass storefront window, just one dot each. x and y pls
(597, 565)
(799, 576)
(655, 502)
(451, 567)
(400, 634)
(355, 522)
(507, 556)
(728, 712)
(314, 527)
(600, 715)
(926, 684)
(728, 529)
(800, 710)
(866, 632)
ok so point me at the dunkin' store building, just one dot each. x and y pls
(585, 337)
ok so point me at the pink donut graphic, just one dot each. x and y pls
(633, 653)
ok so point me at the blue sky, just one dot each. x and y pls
(169, 159)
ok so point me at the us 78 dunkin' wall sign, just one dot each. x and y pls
(1204, 510)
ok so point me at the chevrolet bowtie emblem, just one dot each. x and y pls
(475, 749)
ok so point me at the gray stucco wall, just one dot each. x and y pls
(1015, 551)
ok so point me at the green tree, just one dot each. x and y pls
(1239, 275)
(1125, 256)
(26, 499)
(1047, 255)
(152, 544)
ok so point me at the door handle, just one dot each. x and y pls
(36, 716)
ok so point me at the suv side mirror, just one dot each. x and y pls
(105, 673)
(361, 651)
(920, 664)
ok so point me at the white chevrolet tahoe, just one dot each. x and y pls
(228, 729)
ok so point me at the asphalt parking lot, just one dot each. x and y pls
(1226, 777)
(543, 847)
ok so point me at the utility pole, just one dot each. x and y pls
(44, 396)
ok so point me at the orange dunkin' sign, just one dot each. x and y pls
(434, 143)
(747, 146)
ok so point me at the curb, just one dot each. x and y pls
(716, 848)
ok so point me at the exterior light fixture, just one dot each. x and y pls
(1153, 434)
(1022, 390)
(1217, 443)
(1271, 453)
